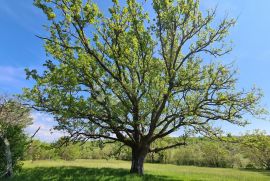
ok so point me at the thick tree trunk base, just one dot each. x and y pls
(136, 168)
(138, 156)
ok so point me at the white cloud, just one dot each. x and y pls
(45, 122)
(12, 76)
(9, 73)
(13, 79)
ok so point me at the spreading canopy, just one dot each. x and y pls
(135, 76)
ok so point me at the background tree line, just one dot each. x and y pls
(251, 150)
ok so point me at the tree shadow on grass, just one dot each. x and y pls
(81, 173)
(263, 172)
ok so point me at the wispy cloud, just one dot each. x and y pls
(11, 77)
(12, 80)
(45, 122)
(27, 17)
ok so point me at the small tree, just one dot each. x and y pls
(215, 155)
(14, 117)
(38, 150)
(256, 146)
(134, 79)
(65, 150)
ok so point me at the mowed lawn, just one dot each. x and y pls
(113, 170)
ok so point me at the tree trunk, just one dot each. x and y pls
(138, 156)
(267, 164)
(9, 168)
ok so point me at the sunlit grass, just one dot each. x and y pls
(113, 170)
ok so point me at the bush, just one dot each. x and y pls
(18, 144)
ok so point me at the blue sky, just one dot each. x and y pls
(19, 48)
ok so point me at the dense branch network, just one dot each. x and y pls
(133, 78)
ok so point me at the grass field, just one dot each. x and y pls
(119, 170)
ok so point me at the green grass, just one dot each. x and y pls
(112, 170)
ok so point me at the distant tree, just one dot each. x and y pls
(257, 148)
(14, 117)
(136, 77)
(215, 155)
(38, 150)
(65, 150)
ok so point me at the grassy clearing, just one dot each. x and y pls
(119, 170)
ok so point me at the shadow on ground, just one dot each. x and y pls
(263, 172)
(81, 173)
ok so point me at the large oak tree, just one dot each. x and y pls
(134, 76)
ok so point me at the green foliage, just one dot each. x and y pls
(215, 155)
(38, 150)
(18, 144)
(257, 147)
(199, 152)
(14, 117)
(203, 152)
(134, 77)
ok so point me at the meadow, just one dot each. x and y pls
(114, 170)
